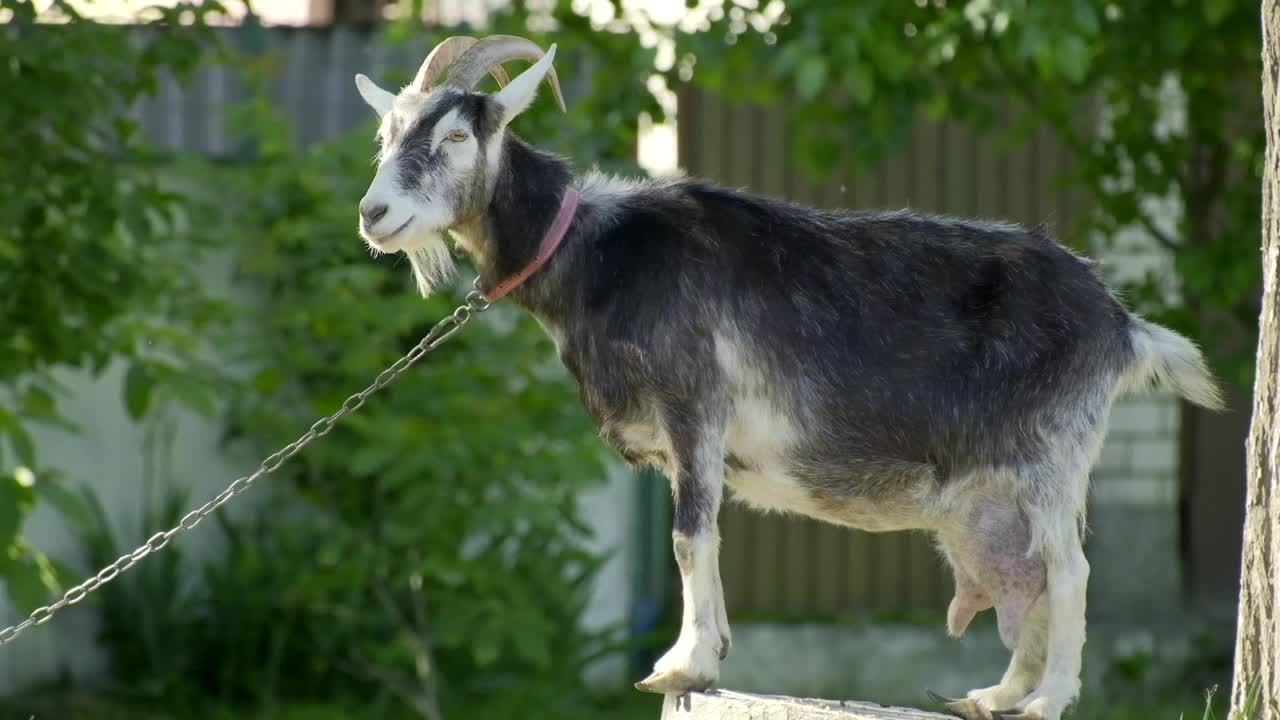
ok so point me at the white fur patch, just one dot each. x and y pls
(759, 434)
(607, 192)
(696, 653)
(1165, 358)
(433, 265)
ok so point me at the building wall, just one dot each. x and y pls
(121, 463)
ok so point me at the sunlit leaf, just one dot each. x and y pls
(22, 444)
(811, 77)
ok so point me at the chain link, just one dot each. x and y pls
(439, 333)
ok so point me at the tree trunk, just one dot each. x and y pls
(1257, 662)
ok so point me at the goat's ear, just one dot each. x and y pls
(519, 93)
(377, 98)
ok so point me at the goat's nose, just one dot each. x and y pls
(372, 212)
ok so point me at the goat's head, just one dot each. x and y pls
(441, 146)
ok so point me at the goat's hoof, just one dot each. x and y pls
(1032, 707)
(725, 644)
(672, 682)
(966, 708)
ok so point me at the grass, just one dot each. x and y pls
(1189, 707)
(1252, 702)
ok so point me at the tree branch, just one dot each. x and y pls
(423, 706)
(1157, 234)
(420, 638)
(1061, 123)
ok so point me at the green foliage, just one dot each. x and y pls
(452, 496)
(1190, 707)
(1252, 706)
(426, 556)
(96, 252)
(859, 75)
(441, 556)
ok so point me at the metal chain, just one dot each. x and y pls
(475, 302)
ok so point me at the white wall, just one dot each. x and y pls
(107, 456)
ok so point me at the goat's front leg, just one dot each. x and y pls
(693, 663)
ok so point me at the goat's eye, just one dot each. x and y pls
(457, 136)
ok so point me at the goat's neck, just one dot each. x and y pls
(526, 196)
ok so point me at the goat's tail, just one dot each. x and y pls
(1163, 358)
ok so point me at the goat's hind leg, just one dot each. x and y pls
(1023, 674)
(989, 556)
(693, 663)
(1068, 572)
(722, 615)
(1055, 513)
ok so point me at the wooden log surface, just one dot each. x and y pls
(730, 705)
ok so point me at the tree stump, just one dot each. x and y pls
(729, 705)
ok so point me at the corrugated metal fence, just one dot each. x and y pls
(775, 566)
(312, 82)
(312, 71)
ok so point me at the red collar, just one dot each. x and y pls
(550, 241)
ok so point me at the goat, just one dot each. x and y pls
(878, 370)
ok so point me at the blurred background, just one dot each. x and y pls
(182, 292)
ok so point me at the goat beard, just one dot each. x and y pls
(433, 265)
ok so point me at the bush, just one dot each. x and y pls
(426, 556)
(99, 258)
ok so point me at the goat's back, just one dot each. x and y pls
(903, 335)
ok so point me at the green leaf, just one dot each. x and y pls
(372, 457)
(533, 647)
(1073, 58)
(1215, 11)
(811, 77)
(138, 383)
(267, 380)
(860, 83)
(194, 395)
(38, 403)
(66, 502)
(25, 582)
(486, 646)
(23, 447)
(1086, 17)
(10, 510)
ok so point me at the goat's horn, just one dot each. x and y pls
(490, 53)
(444, 55)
